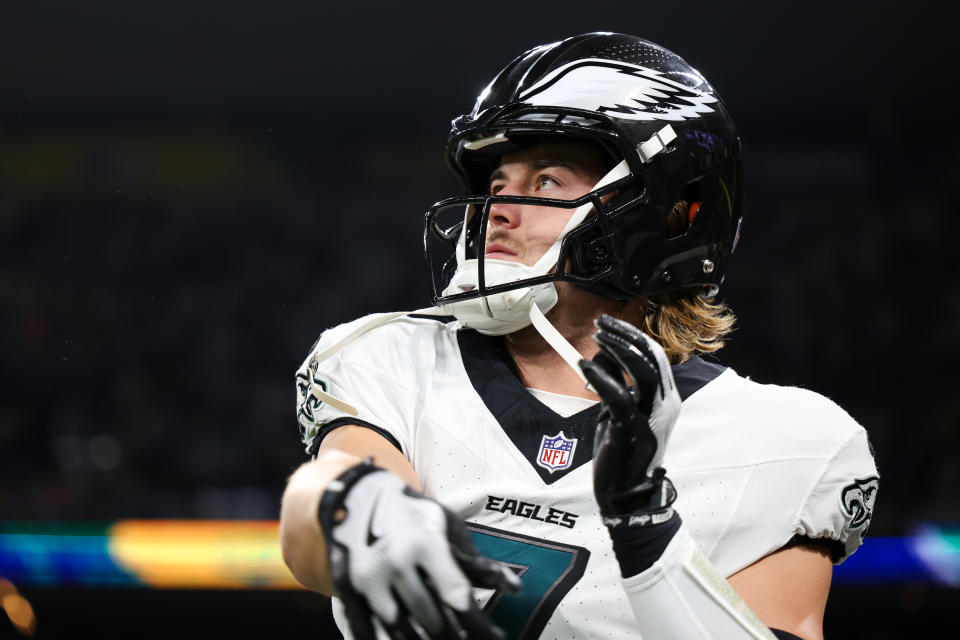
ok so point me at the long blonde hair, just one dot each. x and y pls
(683, 322)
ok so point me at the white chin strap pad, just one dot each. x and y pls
(500, 313)
(683, 596)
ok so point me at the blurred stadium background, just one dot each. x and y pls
(191, 192)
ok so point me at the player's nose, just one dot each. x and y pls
(506, 214)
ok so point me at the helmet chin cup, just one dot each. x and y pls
(497, 314)
(514, 297)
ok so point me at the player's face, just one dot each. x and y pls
(565, 171)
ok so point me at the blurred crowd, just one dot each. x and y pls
(159, 286)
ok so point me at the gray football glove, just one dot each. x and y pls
(634, 426)
(403, 559)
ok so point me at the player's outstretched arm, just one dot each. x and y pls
(301, 538)
(673, 589)
(397, 559)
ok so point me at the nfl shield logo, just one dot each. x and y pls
(556, 452)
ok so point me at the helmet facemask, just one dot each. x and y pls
(456, 237)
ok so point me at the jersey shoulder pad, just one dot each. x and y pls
(365, 371)
(841, 500)
(804, 429)
(840, 505)
(806, 423)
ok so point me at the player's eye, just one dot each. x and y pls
(546, 182)
(495, 188)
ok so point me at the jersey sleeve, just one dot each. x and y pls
(361, 378)
(840, 505)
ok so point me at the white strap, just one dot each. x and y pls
(549, 259)
(549, 333)
(335, 402)
(553, 337)
(373, 323)
(656, 143)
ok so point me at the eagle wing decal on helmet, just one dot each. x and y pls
(630, 91)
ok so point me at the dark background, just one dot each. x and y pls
(191, 192)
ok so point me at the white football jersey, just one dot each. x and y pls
(754, 465)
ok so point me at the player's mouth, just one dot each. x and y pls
(497, 251)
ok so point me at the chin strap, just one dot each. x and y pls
(554, 338)
(375, 321)
(539, 321)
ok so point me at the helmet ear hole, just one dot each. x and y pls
(683, 211)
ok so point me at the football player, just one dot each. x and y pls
(545, 453)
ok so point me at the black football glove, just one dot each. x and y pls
(634, 425)
(404, 560)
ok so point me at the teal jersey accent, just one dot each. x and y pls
(547, 569)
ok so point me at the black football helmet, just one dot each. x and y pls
(642, 105)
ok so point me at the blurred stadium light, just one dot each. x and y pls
(231, 554)
(163, 554)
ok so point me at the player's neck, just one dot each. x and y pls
(539, 365)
